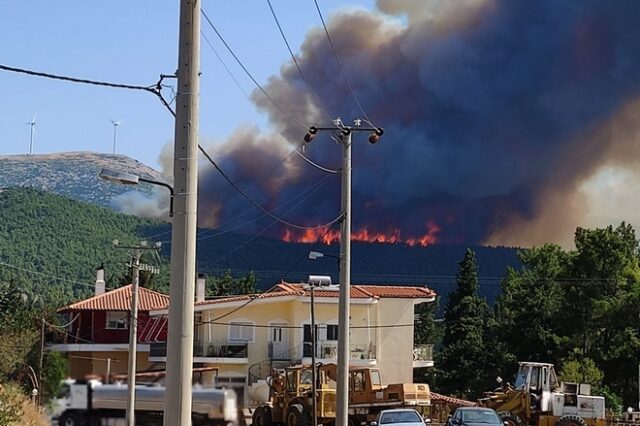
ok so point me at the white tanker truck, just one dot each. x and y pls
(82, 403)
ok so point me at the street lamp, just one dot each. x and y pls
(131, 179)
(343, 137)
(314, 281)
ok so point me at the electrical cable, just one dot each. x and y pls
(318, 185)
(233, 77)
(155, 89)
(335, 54)
(282, 110)
(295, 61)
(316, 165)
(233, 228)
(256, 204)
(44, 275)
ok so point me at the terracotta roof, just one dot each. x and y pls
(246, 297)
(362, 291)
(357, 292)
(444, 399)
(120, 300)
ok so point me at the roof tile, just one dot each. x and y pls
(357, 292)
(120, 300)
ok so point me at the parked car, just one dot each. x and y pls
(474, 416)
(400, 417)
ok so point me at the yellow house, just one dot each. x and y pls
(246, 336)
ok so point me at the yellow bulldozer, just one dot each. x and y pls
(291, 396)
(538, 399)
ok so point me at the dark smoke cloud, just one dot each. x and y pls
(495, 113)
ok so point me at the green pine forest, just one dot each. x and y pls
(578, 309)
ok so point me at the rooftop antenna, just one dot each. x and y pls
(31, 123)
(115, 133)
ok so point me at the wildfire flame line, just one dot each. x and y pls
(329, 236)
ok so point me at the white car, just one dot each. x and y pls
(400, 417)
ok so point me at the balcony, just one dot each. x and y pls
(206, 352)
(423, 356)
(327, 352)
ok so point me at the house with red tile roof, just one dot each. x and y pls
(97, 338)
(245, 336)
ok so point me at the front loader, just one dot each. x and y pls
(538, 399)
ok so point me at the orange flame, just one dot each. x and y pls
(394, 236)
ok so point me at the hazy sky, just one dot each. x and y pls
(133, 42)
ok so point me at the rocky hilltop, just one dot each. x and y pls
(72, 174)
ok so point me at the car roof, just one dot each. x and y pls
(394, 410)
(474, 409)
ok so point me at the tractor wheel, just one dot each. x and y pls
(571, 420)
(71, 419)
(297, 415)
(353, 421)
(511, 419)
(262, 416)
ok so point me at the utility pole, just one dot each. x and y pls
(344, 300)
(177, 409)
(342, 391)
(313, 360)
(133, 339)
(41, 360)
(133, 329)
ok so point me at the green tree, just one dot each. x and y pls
(462, 358)
(227, 284)
(527, 311)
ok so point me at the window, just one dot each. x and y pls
(332, 332)
(241, 331)
(117, 320)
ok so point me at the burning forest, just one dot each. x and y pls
(497, 115)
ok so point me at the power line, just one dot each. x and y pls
(304, 196)
(295, 61)
(7, 265)
(344, 75)
(256, 204)
(233, 77)
(282, 110)
(155, 89)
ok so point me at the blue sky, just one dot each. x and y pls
(133, 42)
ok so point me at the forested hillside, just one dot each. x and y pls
(51, 245)
(63, 242)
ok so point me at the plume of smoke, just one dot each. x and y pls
(496, 114)
(154, 205)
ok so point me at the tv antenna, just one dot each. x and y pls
(31, 123)
(115, 133)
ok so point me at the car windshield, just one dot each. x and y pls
(480, 416)
(408, 416)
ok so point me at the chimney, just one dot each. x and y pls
(200, 287)
(100, 280)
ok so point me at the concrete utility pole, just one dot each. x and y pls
(177, 408)
(136, 254)
(344, 301)
(133, 339)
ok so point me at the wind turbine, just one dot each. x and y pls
(31, 123)
(115, 133)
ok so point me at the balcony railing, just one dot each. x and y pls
(329, 350)
(205, 350)
(423, 353)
